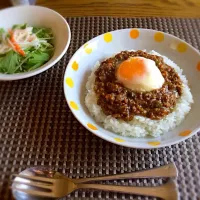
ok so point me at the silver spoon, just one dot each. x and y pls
(163, 171)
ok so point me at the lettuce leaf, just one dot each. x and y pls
(36, 59)
(19, 26)
(43, 33)
(9, 62)
(2, 31)
(12, 62)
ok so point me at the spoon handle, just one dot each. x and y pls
(167, 191)
(163, 171)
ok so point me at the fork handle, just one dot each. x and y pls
(163, 171)
(167, 191)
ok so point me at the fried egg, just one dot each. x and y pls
(139, 74)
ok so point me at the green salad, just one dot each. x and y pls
(24, 48)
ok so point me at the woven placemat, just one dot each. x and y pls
(37, 127)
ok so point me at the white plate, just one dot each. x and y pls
(40, 17)
(104, 46)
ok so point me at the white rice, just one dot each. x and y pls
(141, 126)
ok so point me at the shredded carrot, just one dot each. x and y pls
(17, 47)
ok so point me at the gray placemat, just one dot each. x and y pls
(37, 127)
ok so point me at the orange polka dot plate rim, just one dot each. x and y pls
(110, 43)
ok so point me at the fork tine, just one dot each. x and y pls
(35, 184)
(34, 192)
(35, 178)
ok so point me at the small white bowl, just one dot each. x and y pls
(39, 17)
(104, 46)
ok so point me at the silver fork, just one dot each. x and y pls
(62, 186)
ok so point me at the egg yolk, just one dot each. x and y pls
(139, 74)
(132, 67)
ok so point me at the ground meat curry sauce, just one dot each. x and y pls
(123, 103)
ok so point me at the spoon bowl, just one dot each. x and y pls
(33, 171)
